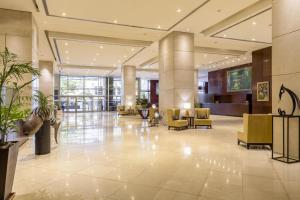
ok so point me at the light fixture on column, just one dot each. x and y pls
(187, 106)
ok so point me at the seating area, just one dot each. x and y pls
(128, 110)
(180, 122)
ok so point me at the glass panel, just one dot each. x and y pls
(79, 104)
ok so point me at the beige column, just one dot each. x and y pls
(196, 95)
(46, 80)
(285, 69)
(19, 33)
(128, 85)
(176, 71)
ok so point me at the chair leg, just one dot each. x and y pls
(238, 142)
(168, 127)
(247, 146)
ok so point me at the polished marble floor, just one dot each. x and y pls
(101, 156)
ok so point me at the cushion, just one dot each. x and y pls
(175, 117)
(202, 115)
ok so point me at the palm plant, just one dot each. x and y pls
(45, 105)
(11, 74)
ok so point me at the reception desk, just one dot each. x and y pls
(231, 109)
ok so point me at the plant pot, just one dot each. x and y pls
(43, 139)
(8, 162)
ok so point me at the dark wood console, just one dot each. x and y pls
(231, 109)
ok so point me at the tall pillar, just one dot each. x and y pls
(285, 67)
(128, 85)
(46, 80)
(176, 71)
(196, 87)
(19, 33)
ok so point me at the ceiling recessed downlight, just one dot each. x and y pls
(66, 44)
(64, 14)
(253, 23)
(159, 27)
(178, 10)
(115, 21)
(101, 47)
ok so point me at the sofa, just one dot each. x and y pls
(202, 117)
(174, 121)
(257, 130)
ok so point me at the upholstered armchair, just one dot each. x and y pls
(202, 117)
(257, 130)
(174, 121)
(137, 108)
(122, 110)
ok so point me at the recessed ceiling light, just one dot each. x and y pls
(224, 35)
(101, 47)
(66, 44)
(115, 21)
(253, 39)
(253, 23)
(132, 49)
(158, 27)
(178, 10)
(66, 51)
(226, 57)
(64, 14)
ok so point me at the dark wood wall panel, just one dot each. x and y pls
(262, 71)
(153, 94)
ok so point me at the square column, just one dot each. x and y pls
(128, 85)
(176, 71)
(46, 80)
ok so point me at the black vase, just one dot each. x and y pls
(8, 162)
(43, 139)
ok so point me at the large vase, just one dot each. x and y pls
(43, 139)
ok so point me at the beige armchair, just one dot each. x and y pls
(174, 121)
(202, 117)
(122, 110)
(257, 130)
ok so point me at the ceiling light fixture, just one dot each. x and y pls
(115, 21)
(101, 47)
(158, 27)
(64, 14)
(226, 57)
(253, 39)
(66, 44)
(253, 23)
(224, 35)
(178, 10)
(132, 49)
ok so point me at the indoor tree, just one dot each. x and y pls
(12, 78)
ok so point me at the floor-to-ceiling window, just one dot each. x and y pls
(83, 93)
(145, 89)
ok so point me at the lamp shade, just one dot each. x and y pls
(187, 105)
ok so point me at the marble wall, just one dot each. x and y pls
(19, 33)
(286, 64)
(128, 85)
(176, 71)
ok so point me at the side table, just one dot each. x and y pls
(190, 120)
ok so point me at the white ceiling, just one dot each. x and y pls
(96, 17)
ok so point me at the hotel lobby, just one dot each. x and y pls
(149, 100)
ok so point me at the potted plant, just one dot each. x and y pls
(11, 74)
(46, 112)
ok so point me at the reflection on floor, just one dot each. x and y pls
(101, 156)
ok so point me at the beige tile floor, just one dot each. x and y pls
(101, 156)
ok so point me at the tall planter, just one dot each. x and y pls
(43, 139)
(8, 162)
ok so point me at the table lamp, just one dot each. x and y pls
(187, 106)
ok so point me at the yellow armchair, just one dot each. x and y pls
(257, 130)
(122, 110)
(174, 121)
(202, 117)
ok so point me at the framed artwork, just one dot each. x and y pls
(239, 79)
(263, 91)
